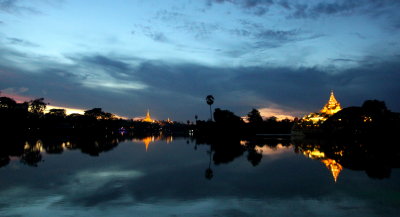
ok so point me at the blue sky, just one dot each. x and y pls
(129, 56)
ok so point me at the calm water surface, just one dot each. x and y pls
(176, 177)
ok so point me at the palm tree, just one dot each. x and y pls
(210, 101)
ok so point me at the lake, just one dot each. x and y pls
(172, 176)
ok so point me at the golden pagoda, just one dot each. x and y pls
(148, 118)
(332, 106)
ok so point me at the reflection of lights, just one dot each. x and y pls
(367, 119)
(169, 139)
(148, 140)
(331, 164)
(334, 167)
(66, 145)
(314, 154)
(339, 153)
(37, 147)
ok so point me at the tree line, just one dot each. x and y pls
(30, 117)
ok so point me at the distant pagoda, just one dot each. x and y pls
(332, 106)
(311, 122)
(148, 118)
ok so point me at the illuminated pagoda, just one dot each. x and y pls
(148, 118)
(330, 108)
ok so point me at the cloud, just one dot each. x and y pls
(149, 32)
(128, 86)
(21, 42)
(200, 30)
(343, 7)
(16, 6)
(259, 37)
(315, 9)
(256, 7)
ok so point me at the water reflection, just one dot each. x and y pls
(377, 161)
(147, 140)
(334, 167)
(221, 177)
(376, 158)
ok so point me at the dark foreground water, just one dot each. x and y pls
(176, 177)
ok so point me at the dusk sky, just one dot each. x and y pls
(279, 56)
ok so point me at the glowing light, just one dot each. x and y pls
(147, 141)
(332, 106)
(148, 117)
(68, 111)
(276, 112)
(314, 119)
(334, 167)
(314, 154)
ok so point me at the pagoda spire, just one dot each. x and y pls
(148, 117)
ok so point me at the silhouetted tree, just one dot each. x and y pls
(374, 106)
(272, 119)
(94, 113)
(254, 117)
(254, 157)
(37, 106)
(58, 113)
(210, 101)
(7, 103)
(108, 116)
(209, 173)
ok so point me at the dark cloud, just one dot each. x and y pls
(200, 30)
(178, 90)
(309, 9)
(343, 60)
(256, 7)
(21, 42)
(271, 38)
(167, 15)
(104, 62)
(343, 7)
(15, 6)
(149, 32)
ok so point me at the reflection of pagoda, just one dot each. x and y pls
(147, 141)
(331, 164)
(148, 118)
